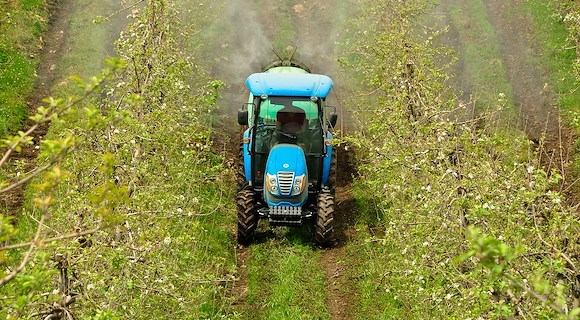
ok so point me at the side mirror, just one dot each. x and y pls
(333, 119)
(243, 117)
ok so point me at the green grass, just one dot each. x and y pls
(31, 4)
(559, 56)
(88, 43)
(16, 82)
(285, 35)
(286, 280)
(376, 296)
(21, 24)
(557, 53)
(481, 55)
(19, 46)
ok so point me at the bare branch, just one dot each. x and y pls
(562, 254)
(62, 237)
(34, 173)
(28, 255)
(107, 18)
(536, 295)
(13, 146)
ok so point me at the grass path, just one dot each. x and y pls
(282, 275)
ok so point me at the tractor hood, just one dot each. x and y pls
(286, 178)
(288, 158)
(289, 84)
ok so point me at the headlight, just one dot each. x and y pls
(299, 183)
(272, 184)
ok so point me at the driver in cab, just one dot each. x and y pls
(291, 121)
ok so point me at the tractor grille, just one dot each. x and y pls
(285, 180)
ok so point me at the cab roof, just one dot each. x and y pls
(289, 84)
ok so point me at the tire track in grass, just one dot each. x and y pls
(54, 40)
(533, 97)
(57, 48)
(339, 291)
(239, 292)
(282, 275)
(338, 296)
(511, 59)
(285, 279)
(534, 88)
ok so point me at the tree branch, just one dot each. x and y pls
(14, 145)
(28, 255)
(63, 237)
(536, 295)
(122, 9)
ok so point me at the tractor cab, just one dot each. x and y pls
(286, 149)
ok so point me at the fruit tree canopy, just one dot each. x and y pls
(289, 84)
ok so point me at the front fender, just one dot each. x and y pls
(247, 157)
(327, 158)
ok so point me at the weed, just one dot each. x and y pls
(31, 4)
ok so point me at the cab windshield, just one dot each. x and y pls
(293, 120)
(289, 120)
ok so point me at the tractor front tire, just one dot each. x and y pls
(324, 228)
(247, 216)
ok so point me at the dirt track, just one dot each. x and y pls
(527, 78)
(55, 45)
(533, 96)
(54, 41)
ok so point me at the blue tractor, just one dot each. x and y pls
(288, 170)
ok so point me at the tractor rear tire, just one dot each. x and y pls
(324, 228)
(247, 216)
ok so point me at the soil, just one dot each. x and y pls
(239, 292)
(54, 41)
